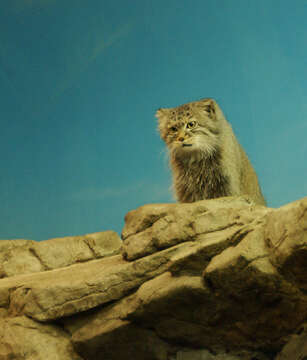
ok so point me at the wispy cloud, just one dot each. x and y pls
(76, 58)
(104, 44)
(81, 56)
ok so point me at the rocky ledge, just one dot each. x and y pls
(217, 279)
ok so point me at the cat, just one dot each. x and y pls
(205, 157)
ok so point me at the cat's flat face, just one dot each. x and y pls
(189, 128)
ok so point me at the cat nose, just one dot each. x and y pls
(181, 139)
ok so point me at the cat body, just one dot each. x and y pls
(206, 159)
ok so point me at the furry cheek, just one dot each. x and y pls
(206, 147)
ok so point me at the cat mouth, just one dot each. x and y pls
(183, 145)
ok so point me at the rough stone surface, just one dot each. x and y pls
(207, 355)
(154, 227)
(22, 338)
(286, 236)
(219, 279)
(27, 256)
(53, 294)
(296, 348)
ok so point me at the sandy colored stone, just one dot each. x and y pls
(286, 236)
(53, 294)
(6, 245)
(296, 347)
(244, 273)
(160, 297)
(61, 252)
(117, 339)
(16, 258)
(105, 333)
(223, 275)
(24, 339)
(203, 354)
(195, 255)
(220, 287)
(154, 227)
(27, 256)
(21, 261)
(145, 216)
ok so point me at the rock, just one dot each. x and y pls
(220, 279)
(62, 292)
(296, 347)
(154, 227)
(27, 256)
(245, 276)
(286, 236)
(61, 252)
(22, 338)
(207, 355)
(117, 339)
(138, 308)
(16, 258)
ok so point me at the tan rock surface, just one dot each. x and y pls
(220, 275)
(117, 339)
(15, 258)
(27, 256)
(296, 348)
(53, 294)
(62, 292)
(154, 227)
(22, 338)
(286, 236)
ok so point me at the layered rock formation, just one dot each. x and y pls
(216, 279)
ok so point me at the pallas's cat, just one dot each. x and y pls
(205, 157)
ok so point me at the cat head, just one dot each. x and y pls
(191, 128)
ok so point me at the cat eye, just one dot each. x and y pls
(191, 124)
(173, 128)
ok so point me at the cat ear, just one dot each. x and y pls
(208, 106)
(161, 114)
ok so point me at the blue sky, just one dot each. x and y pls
(80, 83)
